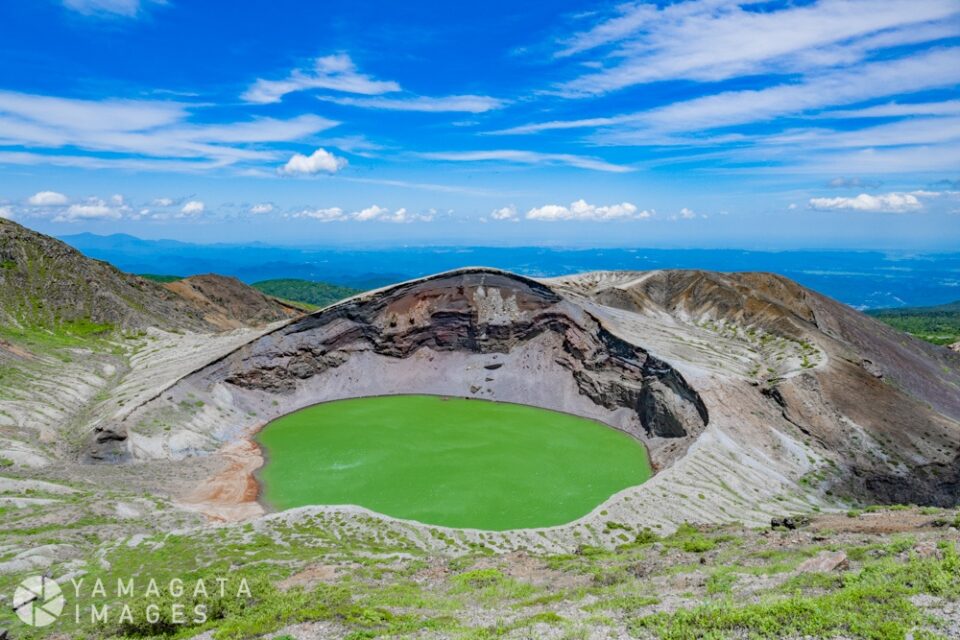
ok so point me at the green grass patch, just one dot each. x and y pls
(873, 604)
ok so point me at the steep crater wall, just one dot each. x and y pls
(477, 333)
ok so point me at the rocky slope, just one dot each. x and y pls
(227, 303)
(752, 394)
(81, 341)
(47, 285)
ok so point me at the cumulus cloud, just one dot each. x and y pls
(331, 214)
(369, 214)
(888, 202)
(319, 160)
(91, 209)
(163, 202)
(334, 73)
(192, 208)
(687, 214)
(504, 213)
(582, 210)
(402, 215)
(6, 212)
(263, 207)
(47, 199)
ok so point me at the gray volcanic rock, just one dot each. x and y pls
(479, 312)
(749, 390)
(885, 404)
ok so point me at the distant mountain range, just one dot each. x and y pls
(862, 279)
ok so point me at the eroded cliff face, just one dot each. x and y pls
(882, 406)
(482, 313)
(497, 318)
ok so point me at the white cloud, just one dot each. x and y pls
(91, 209)
(402, 215)
(263, 207)
(157, 130)
(124, 8)
(6, 212)
(47, 199)
(452, 104)
(163, 202)
(896, 109)
(505, 213)
(889, 202)
(712, 40)
(334, 73)
(527, 157)
(370, 213)
(582, 123)
(192, 208)
(687, 214)
(331, 214)
(258, 130)
(319, 160)
(581, 210)
(930, 70)
(852, 183)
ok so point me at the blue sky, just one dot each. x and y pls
(704, 123)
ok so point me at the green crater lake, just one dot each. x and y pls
(448, 461)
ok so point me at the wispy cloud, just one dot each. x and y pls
(444, 104)
(334, 73)
(527, 157)
(155, 130)
(122, 8)
(897, 109)
(426, 186)
(937, 68)
(713, 40)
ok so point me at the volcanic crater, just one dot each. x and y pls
(752, 394)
